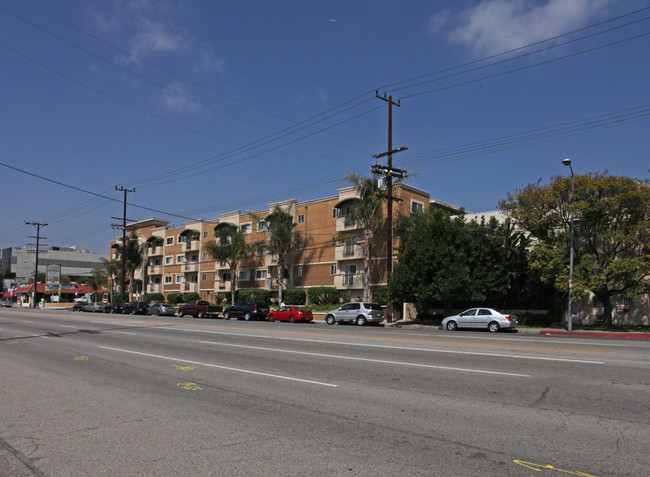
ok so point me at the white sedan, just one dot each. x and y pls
(480, 318)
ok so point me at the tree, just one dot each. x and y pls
(282, 241)
(611, 230)
(448, 260)
(366, 213)
(98, 279)
(113, 271)
(229, 247)
(130, 258)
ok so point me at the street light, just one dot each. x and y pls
(567, 162)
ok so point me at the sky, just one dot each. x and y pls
(206, 107)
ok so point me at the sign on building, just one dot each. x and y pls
(53, 275)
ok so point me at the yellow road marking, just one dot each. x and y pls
(539, 467)
(184, 368)
(189, 386)
(80, 358)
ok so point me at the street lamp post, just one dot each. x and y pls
(567, 162)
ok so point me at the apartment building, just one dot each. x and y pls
(176, 261)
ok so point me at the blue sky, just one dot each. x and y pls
(205, 107)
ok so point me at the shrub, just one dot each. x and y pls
(380, 294)
(153, 297)
(190, 296)
(295, 296)
(323, 295)
(119, 297)
(260, 294)
(175, 298)
(531, 319)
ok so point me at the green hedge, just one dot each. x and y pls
(187, 297)
(530, 319)
(260, 294)
(380, 294)
(323, 295)
(153, 297)
(119, 297)
(175, 298)
(294, 296)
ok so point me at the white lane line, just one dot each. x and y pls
(28, 321)
(125, 332)
(369, 360)
(228, 368)
(404, 348)
(68, 326)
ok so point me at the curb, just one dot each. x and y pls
(608, 334)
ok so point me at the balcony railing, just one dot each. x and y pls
(349, 280)
(190, 267)
(192, 246)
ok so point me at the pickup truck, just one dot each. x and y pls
(199, 309)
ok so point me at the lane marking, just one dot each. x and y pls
(539, 467)
(189, 386)
(227, 368)
(68, 326)
(125, 333)
(369, 360)
(401, 348)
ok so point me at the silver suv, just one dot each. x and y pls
(357, 312)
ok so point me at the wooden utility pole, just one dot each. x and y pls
(38, 244)
(126, 191)
(389, 172)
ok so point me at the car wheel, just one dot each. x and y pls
(270, 318)
(226, 316)
(494, 327)
(148, 313)
(158, 313)
(452, 326)
(180, 314)
(330, 320)
(247, 316)
(201, 315)
(361, 320)
(292, 319)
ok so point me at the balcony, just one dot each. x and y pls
(190, 267)
(154, 270)
(192, 246)
(343, 224)
(155, 251)
(348, 252)
(348, 281)
(190, 287)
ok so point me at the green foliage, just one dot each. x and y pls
(175, 298)
(295, 296)
(119, 297)
(612, 233)
(537, 320)
(450, 261)
(229, 247)
(154, 297)
(380, 294)
(323, 295)
(190, 296)
(260, 295)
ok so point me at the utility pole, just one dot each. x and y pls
(389, 172)
(123, 227)
(38, 243)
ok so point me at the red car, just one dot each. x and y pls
(290, 313)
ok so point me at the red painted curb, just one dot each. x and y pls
(612, 334)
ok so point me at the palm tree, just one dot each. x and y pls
(366, 213)
(113, 271)
(130, 258)
(229, 247)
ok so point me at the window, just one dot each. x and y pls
(204, 276)
(180, 258)
(205, 255)
(215, 277)
(416, 207)
(297, 271)
(156, 280)
(170, 240)
(180, 279)
(244, 275)
(169, 260)
(348, 248)
(226, 277)
(301, 218)
(332, 269)
(182, 239)
(194, 257)
(262, 226)
(157, 261)
(168, 279)
(205, 234)
(246, 228)
(336, 213)
(349, 272)
(193, 278)
(264, 250)
(260, 274)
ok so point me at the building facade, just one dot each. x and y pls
(175, 259)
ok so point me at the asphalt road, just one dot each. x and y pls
(111, 395)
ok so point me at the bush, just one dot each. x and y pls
(260, 295)
(295, 296)
(153, 297)
(175, 298)
(323, 295)
(380, 294)
(530, 319)
(119, 297)
(190, 296)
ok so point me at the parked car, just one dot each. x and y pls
(161, 308)
(248, 310)
(291, 314)
(91, 306)
(5, 304)
(135, 308)
(113, 308)
(480, 318)
(360, 313)
(78, 306)
(199, 309)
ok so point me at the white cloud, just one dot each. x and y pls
(211, 63)
(494, 26)
(176, 98)
(156, 37)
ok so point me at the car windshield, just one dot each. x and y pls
(372, 306)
